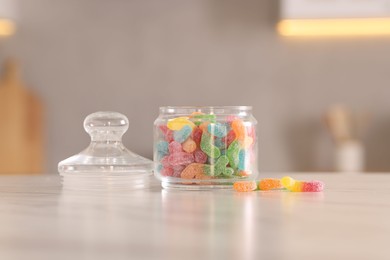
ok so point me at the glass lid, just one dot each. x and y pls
(106, 155)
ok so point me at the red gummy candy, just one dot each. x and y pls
(174, 147)
(197, 135)
(312, 186)
(167, 171)
(200, 157)
(229, 138)
(180, 158)
(168, 133)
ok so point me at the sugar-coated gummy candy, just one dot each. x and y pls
(291, 184)
(167, 133)
(232, 153)
(198, 118)
(243, 160)
(192, 170)
(197, 135)
(180, 158)
(217, 129)
(219, 167)
(245, 186)
(220, 144)
(167, 171)
(229, 138)
(178, 123)
(182, 134)
(189, 145)
(174, 147)
(203, 126)
(244, 173)
(200, 157)
(312, 186)
(165, 161)
(208, 147)
(270, 184)
(239, 129)
(246, 142)
(162, 147)
(177, 170)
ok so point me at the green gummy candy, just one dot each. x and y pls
(228, 171)
(208, 147)
(232, 153)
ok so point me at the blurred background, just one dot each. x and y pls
(321, 102)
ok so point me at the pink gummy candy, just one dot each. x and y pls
(180, 158)
(167, 171)
(174, 147)
(168, 133)
(177, 170)
(312, 186)
(200, 157)
(165, 161)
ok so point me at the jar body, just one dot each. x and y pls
(205, 147)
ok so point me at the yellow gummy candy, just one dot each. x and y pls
(178, 123)
(291, 184)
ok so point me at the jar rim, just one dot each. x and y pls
(172, 109)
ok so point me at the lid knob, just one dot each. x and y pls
(106, 126)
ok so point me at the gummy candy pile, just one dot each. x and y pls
(286, 183)
(201, 147)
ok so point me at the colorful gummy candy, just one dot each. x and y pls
(245, 186)
(286, 182)
(302, 186)
(202, 146)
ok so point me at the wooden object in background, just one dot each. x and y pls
(21, 126)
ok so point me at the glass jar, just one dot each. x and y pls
(205, 147)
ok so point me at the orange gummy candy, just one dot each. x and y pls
(189, 145)
(270, 184)
(244, 186)
(239, 129)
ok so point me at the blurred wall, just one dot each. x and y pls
(134, 56)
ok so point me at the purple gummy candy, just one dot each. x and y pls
(177, 170)
(174, 147)
(200, 157)
(180, 158)
(312, 186)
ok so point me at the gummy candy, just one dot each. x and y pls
(182, 134)
(165, 161)
(192, 170)
(197, 135)
(242, 160)
(180, 158)
(313, 186)
(179, 122)
(177, 170)
(270, 184)
(302, 186)
(219, 167)
(189, 145)
(239, 129)
(229, 138)
(220, 144)
(217, 129)
(174, 147)
(244, 186)
(162, 147)
(167, 133)
(232, 153)
(198, 118)
(207, 146)
(200, 157)
(167, 171)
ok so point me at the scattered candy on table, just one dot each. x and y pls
(286, 183)
(202, 146)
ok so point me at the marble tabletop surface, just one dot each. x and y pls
(40, 219)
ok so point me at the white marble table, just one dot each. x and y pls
(350, 220)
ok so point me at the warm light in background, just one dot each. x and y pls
(7, 27)
(334, 27)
